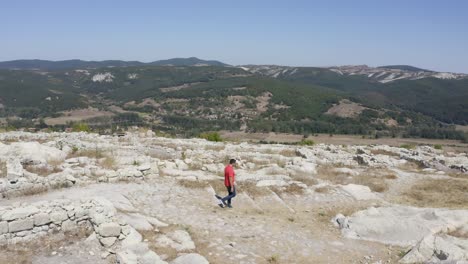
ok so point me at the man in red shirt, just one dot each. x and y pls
(230, 183)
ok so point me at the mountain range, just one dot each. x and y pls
(77, 64)
(180, 96)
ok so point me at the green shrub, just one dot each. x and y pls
(211, 136)
(407, 146)
(74, 149)
(81, 127)
(438, 146)
(306, 142)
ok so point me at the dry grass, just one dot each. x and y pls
(411, 166)
(326, 214)
(323, 189)
(90, 153)
(44, 170)
(3, 169)
(375, 180)
(451, 193)
(24, 253)
(460, 233)
(290, 189)
(193, 184)
(251, 189)
(306, 179)
(391, 176)
(458, 175)
(273, 259)
(384, 152)
(195, 165)
(168, 251)
(288, 153)
(34, 190)
(108, 163)
(215, 147)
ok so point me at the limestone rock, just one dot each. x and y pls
(192, 258)
(14, 170)
(41, 219)
(359, 192)
(127, 257)
(21, 225)
(436, 248)
(109, 229)
(180, 240)
(108, 241)
(3, 227)
(19, 213)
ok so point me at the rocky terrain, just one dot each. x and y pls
(138, 198)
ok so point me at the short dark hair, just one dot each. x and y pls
(232, 161)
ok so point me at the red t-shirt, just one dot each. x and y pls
(229, 172)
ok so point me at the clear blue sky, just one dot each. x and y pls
(429, 34)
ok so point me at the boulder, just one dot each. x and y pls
(14, 170)
(3, 227)
(150, 258)
(137, 221)
(126, 257)
(20, 225)
(32, 152)
(130, 172)
(359, 192)
(58, 216)
(41, 219)
(109, 229)
(340, 221)
(192, 258)
(19, 213)
(108, 241)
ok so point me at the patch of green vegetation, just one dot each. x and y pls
(81, 127)
(306, 142)
(211, 136)
(407, 146)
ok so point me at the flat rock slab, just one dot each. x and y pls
(402, 225)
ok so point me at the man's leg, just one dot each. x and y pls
(229, 189)
(231, 194)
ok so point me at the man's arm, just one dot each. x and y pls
(231, 177)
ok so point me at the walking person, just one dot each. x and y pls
(230, 183)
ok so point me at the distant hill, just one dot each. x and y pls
(192, 61)
(65, 64)
(80, 64)
(404, 68)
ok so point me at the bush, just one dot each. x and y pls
(438, 146)
(211, 136)
(306, 142)
(81, 127)
(407, 146)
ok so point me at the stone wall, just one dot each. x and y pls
(25, 222)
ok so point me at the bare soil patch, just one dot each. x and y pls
(346, 108)
(77, 115)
